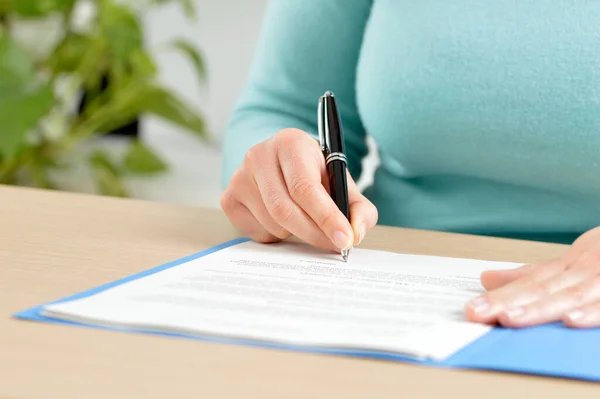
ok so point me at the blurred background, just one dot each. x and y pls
(130, 99)
(225, 32)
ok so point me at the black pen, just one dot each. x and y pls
(331, 136)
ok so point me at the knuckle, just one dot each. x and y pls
(595, 254)
(541, 288)
(289, 135)
(589, 259)
(281, 233)
(584, 260)
(263, 237)
(281, 210)
(227, 202)
(529, 280)
(253, 156)
(325, 220)
(577, 292)
(529, 267)
(298, 147)
(290, 138)
(302, 189)
(494, 299)
(249, 157)
(285, 139)
(238, 176)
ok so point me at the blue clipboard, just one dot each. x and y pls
(550, 350)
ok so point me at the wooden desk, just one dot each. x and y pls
(55, 244)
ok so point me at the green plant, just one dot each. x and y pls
(41, 124)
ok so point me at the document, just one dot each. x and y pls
(291, 293)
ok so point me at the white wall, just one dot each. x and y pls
(226, 32)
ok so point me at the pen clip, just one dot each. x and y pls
(321, 118)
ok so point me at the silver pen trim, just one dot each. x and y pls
(336, 156)
(321, 126)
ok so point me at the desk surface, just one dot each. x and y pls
(54, 244)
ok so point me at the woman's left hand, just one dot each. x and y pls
(566, 289)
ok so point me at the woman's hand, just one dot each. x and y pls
(281, 189)
(566, 289)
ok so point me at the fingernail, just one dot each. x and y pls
(515, 313)
(341, 240)
(362, 230)
(576, 315)
(479, 305)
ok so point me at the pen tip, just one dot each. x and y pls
(345, 254)
(328, 93)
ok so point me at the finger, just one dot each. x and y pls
(531, 286)
(266, 171)
(302, 166)
(579, 289)
(494, 279)
(587, 316)
(243, 220)
(245, 189)
(363, 214)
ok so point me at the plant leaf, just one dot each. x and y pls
(188, 7)
(142, 64)
(107, 174)
(194, 55)
(100, 158)
(19, 114)
(35, 8)
(121, 29)
(165, 105)
(123, 106)
(136, 98)
(69, 53)
(92, 63)
(142, 160)
(16, 66)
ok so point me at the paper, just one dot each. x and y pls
(292, 293)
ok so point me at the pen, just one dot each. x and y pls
(331, 137)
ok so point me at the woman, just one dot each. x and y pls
(487, 120)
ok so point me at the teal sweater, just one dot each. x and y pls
(486, 114)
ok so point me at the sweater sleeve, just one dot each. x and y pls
(305, 47)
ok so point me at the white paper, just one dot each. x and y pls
(292, 293)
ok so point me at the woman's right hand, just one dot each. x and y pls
(281, 189)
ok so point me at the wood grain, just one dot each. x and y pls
(54, 244)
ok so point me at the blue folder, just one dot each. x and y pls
(549, 350)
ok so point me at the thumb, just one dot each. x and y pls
(493, 279)
(363, 214)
